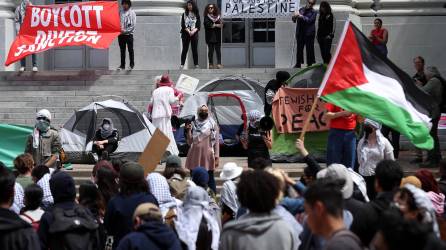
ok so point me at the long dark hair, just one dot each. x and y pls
(194, 8)
(107, 185)
(326, 6)
(90, 197)
(216, 10)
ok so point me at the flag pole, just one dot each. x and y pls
(307, 121)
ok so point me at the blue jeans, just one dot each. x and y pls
(341, 147)
(33, 59)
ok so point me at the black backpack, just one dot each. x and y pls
(73, 229)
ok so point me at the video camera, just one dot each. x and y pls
(178, 121)
(265, 124)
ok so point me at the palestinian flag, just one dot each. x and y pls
(363, 81)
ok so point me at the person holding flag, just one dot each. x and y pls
(361, 80)
(19, 18)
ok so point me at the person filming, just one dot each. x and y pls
(256, 141)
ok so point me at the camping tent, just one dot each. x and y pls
(77, 134)
(12, 143)
(228, 98)
(284, 149)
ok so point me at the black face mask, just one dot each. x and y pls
(203, 115)
(368, 130)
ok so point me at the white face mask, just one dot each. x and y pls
(106, 126)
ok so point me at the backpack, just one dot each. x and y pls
(34, 223)
(73, 229)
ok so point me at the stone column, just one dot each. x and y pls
(7, 31)
(157, 41)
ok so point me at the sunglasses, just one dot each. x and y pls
(42, 119)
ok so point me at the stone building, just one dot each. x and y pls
(415, 28)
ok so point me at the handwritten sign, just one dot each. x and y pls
(291, 107)
(187, 84)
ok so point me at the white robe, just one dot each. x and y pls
(161, 100)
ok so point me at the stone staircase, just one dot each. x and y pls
(22, 94)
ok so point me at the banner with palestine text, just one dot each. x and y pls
(258, 8)
(95, 24)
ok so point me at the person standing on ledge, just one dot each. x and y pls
(128, 21)
(44, 143)
(190, 26)
(213, 25)
(379, 36)
(19, 18)
(325, 31)
(305, 20)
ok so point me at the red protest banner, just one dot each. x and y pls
(291, 107)
(95, 24)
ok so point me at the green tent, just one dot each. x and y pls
(12, 142)
(283, 144)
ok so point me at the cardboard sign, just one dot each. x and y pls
(187, 84)
(95, 24)
(259, 8)
(154, 151)
(291, 107)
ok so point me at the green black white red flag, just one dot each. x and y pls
(363, 81)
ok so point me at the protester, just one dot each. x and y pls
(442, 181)
(128, 22)
(271, 89)
(44, 143)
(203, 137)
(388, 176)
(324, 209)
(415, 204)
(229, 202)
(213, 26)
(379, 36)
(434, 87)
(305, 20)
(260, 163)
(430, 186)
(312, 168)
(32, 213)
(41, 176)
(24, 164)
(190, 26)
(90, 198)
(161, 100)
(106, 139)
(196, 226)
(20, 12)
(15, 233)
(168, 205)
(133, 191)
(341, 143)
(67, 224)
(258, 191)
(420, 76)
(106, 179)
(201, 178)
(325, 30)
(150, 232)
(176, 177)
(372, 148)
(256, 141)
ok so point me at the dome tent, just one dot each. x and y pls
(228, 98)
(284, 149)
(77, 134)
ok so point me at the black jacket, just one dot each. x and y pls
(152, 235)
(15, 233)
(212, 35)
(183, 26)
(325, 26)
(365, 226)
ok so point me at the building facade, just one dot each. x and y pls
(415, 28)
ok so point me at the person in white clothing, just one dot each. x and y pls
(372, 148)
(161, 100)
(32, 212)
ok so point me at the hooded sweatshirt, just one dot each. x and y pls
(15, 233)
(152, 235)
(258, 231)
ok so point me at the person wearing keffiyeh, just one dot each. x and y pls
(106, 139)
(159, 187)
